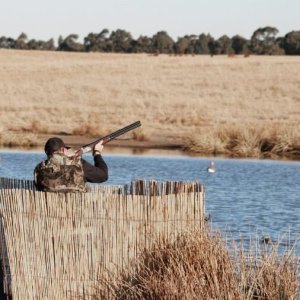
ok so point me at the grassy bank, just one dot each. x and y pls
(199, 266)
(244, 107)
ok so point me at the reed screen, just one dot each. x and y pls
(54, 244)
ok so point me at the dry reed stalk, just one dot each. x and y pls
(194, 266)
(89, 130)
(200, 266)
(13, 139)
(267, 273)
(245, 141)
(139, 135)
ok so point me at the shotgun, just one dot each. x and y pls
(88, 147)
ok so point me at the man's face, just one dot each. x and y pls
(63, 150)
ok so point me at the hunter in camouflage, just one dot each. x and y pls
(61, 172)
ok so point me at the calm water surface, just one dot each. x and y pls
(243, 197)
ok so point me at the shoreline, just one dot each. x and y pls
(133, 147)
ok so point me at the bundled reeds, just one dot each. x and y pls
(199, 265)
(56, 242)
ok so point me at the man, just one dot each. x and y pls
(63, 171)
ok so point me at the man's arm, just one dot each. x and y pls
(97, 173)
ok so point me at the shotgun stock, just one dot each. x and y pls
(88, 147)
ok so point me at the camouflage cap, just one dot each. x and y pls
(53, 145)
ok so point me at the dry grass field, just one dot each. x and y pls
(245, 107)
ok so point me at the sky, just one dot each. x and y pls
(45, 19)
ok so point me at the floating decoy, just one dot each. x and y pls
(211, 168)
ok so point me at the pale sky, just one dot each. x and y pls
(45, 19)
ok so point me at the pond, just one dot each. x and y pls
(248, 198)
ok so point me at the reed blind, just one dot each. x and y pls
(53, 245)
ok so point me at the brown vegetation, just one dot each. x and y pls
(239, 107)
(243, 141)
(199, 266)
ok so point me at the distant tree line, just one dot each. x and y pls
(264, 41)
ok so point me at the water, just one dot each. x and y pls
(243, 197)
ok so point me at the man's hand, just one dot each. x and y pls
(98, 148)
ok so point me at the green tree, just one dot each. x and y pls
(225, 45)
(119, 41)
(48, 45)
(21, 42)
(214, 47)
(182, 46)
(291, 43)
(34, 45)
(41, 45)
(96, 41)
(200, 45)
(239, 44)
(69, 44)
(7, 43)
(263, 41)
(162, 43)
(141, 45)
(192, 43)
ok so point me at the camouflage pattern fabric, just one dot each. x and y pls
(60, 173)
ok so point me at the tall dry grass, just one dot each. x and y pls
(200, 266)
(266, 274)
(206, 104)
(271, 141)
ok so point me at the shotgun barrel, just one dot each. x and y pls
(88, 147)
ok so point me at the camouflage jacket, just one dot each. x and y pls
(60, 173)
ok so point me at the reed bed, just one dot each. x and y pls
(265, 272)
(57, 244)
(244, 141)
(207, 105)
(198, 265)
